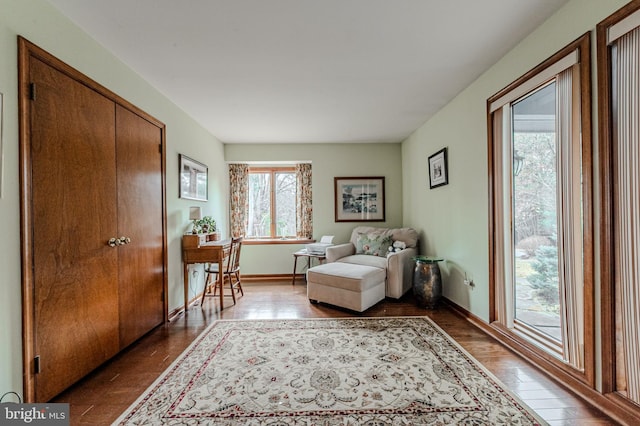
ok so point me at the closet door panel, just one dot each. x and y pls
(73, 185)
(140, 218)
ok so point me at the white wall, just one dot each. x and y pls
(38, 22)
(455, 217)
(328, 161)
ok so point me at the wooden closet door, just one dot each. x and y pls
(73, 187)
(140, 218)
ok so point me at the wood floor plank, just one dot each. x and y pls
(103, 395)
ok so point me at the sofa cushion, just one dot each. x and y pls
(407, 235)
(369, 230)
(364, 259)
(373, 244)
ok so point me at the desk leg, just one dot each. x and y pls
(186, 287)
(221, 282)
(295, 263)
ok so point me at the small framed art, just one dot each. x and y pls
(359, 199)
(193, 179)
(438, 173)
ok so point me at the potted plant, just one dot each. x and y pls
(207, 225)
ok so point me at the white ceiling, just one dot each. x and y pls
(309, 70)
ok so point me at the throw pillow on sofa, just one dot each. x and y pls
(374, 245)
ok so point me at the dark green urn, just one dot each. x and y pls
(427, 281)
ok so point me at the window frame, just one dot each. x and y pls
(496, 178)
(272, 238)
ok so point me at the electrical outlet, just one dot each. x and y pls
(468, 281)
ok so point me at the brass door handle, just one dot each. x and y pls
(114, 242)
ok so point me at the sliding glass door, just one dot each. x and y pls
(541, 222)
(619, 86)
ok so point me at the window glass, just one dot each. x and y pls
(285, 204)
(537, 300)
(259, 205)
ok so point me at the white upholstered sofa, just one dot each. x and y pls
(398, 266)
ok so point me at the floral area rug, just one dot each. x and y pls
(356, 371)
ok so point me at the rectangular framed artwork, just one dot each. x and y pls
(438, 173)
(193, 179)
(359, 199)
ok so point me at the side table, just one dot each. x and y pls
(427, 281)
(309, 256)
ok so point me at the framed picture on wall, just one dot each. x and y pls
(438, 174)
(359, 199)
(193, 179)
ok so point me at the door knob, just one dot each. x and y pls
(114, 242)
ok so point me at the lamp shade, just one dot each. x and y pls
(195, 213)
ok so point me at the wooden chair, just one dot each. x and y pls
(231, 272)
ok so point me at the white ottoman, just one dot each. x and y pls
(355, 287)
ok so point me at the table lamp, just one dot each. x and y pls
(195, 214)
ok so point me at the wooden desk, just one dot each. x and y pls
(200, 249)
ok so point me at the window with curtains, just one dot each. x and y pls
(270, 203)
(541, 254)
(619, 88)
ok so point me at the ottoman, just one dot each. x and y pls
(355, 287)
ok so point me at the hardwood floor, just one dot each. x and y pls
(101, 397)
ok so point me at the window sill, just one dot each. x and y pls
(266, 241)
(538, 338)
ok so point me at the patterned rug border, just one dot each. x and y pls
(148, 392)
